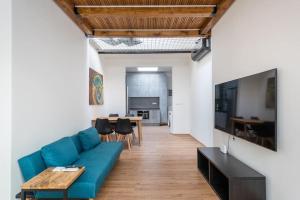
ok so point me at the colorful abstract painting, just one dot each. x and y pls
(95, 88)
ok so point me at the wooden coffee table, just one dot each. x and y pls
(51, 181)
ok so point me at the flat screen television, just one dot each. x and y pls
(247, 108)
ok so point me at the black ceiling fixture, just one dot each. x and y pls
(204, 48)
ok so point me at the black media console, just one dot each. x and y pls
(230, 178)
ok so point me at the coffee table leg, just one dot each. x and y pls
(23, 195)
(65, 194)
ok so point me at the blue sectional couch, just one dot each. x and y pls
(84, 149)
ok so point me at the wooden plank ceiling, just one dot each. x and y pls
(145, 18)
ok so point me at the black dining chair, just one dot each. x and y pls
(124, 131)
(238, 127)
(133, 124)
(104, 128)
(113, 124)
(264, 132)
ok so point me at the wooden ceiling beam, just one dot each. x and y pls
(146, 6)
(146, 11)
(147, 33)
(221, 8)
(68, 7)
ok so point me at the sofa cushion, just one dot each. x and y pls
(77, 142)
(31, 165)
(89, 138)
(98, 162)
(60, 153)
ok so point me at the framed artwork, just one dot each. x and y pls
(95, 88)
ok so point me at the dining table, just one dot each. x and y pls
(245, 122)
(135, 119)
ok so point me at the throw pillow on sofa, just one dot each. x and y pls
(77, 142)
(89, 138)
(60, 153)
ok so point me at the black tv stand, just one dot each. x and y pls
(230, 178)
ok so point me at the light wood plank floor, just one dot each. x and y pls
(163, 168)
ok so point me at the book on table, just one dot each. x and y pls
(72, 168)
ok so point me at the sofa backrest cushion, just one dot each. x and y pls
(63, 152)
(76, 141)
(31, 165)
(89, 138)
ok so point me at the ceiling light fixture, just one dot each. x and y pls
(147, 69)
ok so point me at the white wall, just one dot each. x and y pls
(5, 98)
(201, 100)
(254, 36)
(50, 79)
(114, 83)
(114, 67)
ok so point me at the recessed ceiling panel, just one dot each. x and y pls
(146, 44)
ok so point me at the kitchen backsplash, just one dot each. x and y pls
(143, 103)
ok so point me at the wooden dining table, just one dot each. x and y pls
(245, 122)
(137, 120)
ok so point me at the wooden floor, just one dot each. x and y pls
(163, 167)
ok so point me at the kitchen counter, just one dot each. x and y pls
(152, 116)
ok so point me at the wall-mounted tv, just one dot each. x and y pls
(247, 108)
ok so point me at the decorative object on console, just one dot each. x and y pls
(223, 149)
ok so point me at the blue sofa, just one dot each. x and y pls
(84, 149)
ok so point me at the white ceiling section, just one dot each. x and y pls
(140, 45)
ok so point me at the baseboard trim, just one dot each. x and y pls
(198, 140)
